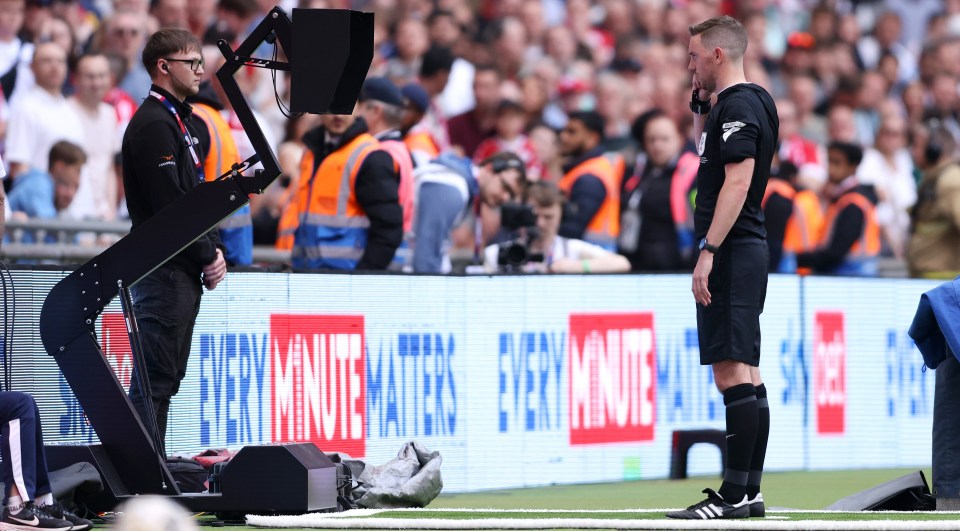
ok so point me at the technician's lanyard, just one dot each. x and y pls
(187, 137)
(477, 232)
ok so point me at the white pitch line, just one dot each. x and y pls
(312, 521)
(369, 512)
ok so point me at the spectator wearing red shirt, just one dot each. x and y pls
(511, 121)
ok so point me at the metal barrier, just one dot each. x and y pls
(75, 242)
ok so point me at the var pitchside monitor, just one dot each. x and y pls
(329, 43)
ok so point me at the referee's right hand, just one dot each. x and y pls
(702, 95)
(701, 277)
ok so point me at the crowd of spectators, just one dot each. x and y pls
(486, 76)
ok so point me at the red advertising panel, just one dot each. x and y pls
(116, 346)
(829, 372)
(318, 381)
(613, 361)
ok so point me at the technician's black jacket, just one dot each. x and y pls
(376, 189)
(158, 169)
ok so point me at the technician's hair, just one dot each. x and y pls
(165, 43)
(722, 32)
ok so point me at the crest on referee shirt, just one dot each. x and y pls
(702, 144)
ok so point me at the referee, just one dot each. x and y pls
(736, 140)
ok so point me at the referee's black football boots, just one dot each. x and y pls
(713, 508)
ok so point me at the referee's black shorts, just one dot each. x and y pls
(729, 329)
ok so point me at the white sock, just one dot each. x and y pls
(14, 502)
(45, 499)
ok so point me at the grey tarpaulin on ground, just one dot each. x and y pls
(412, 479)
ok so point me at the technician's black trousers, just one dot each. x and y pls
(166, 304)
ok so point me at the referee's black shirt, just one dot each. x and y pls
(742, 125)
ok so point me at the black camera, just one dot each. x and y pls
(521, 222)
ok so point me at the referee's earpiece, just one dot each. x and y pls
(164, 67)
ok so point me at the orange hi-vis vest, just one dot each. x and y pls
(862, 258)
(332, 227)
(604, 228)
(403, 163)
(804, 226)
(421, 145)
(236, 232)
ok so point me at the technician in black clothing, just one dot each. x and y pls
(162, 160)
(736, 142)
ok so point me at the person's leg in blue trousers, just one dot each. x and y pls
(21, 446)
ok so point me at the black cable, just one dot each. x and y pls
(276, 93)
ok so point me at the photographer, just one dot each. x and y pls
(446, 190)
(540, 250)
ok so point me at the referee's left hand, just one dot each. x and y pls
(701, 275)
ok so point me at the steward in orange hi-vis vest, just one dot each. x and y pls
(346, 208)
(802, 228)
(849, 243)
(603, 226)
(236, 232)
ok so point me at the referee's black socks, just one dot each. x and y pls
(742, 426)
(760, 448)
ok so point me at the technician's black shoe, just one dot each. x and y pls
(757, 509)
(29, 518)
(713, 508)
(58, 511)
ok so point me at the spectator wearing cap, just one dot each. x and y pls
(511, 122)
(423, 147)
(467, 130)
(381, 106)
(591, 182)
(327, 232)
